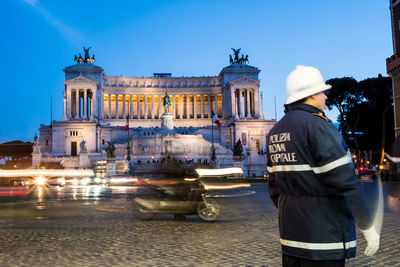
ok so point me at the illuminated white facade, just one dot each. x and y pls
(96, 107)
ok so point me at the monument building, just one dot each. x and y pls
(155, 119)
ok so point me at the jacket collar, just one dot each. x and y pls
(305, 107)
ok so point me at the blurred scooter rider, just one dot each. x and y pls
(312, 182)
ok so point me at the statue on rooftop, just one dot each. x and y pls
(80, 59)
(87, 57)
(241, 60)
(236, 52)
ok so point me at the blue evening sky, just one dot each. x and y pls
(187, 38)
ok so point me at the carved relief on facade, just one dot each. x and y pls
(81, 79)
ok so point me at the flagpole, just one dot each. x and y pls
(212, 132)
(128, 152)
(51, 111)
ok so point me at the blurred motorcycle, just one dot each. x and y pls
(188, 196)
(185, 197)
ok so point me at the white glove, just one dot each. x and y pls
(372, 238)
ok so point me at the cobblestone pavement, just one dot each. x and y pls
(105, 233)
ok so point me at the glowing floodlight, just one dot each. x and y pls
(40, 181)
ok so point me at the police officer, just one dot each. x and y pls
(311, 180)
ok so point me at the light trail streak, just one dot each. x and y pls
(48, 172)
(216, 172)
(224, 186)
(13, 192)
(122, 180)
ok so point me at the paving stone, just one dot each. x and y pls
(105, 233)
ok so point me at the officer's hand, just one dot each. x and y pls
(372, 238)
(393, 203)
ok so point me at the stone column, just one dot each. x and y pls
(187, 106)
(173, 110)
(152, 106)
(178, 106)
(237, 94)
(85, 115)
(109, 106)
(209, 105)
(116, 107)
(256, 104)
(145, 106)
(233, 99)
(131, 107)
(181, 106)
(69, 104)
(241, 102)
(159, 106)
(65, 109)
(138, 106)
(194, 106)
(101, 104)
(123, 106)
(202, 106)
(92, 106)
(248, 115)
(77, 105)
(216, 104)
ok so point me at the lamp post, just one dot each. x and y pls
(213, 155)
(249, 155)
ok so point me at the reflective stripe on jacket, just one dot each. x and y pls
(311, 181)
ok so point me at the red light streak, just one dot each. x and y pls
(13, 192)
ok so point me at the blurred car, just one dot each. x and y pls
(13, 187)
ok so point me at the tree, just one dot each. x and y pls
(365, 108)
(345, 96)
(379, 96)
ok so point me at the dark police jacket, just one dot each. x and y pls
(311, 180)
